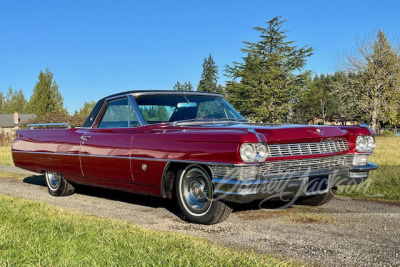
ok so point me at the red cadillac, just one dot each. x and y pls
(197, 148)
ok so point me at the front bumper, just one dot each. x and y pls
(289, 186)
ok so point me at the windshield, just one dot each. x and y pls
(176, 108)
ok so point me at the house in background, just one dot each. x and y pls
(14, 120)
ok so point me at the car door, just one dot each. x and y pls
(105, 148)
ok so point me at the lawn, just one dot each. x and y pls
(35, 234)
(5, 156)
(383, 183)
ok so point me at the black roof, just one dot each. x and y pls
(162, 92)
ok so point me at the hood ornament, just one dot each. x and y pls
(317, 131)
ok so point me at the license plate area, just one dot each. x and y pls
(317, 184)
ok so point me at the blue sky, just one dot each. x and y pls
(97, 48)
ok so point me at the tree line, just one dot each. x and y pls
(270, 84)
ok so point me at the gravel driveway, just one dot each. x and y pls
(343, 232)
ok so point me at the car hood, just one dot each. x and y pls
(278, 133)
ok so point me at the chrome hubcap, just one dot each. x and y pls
(53, 179)
(196, 190)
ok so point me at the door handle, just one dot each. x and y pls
(85, 137)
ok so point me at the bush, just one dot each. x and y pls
(6, 136)
(388, 133)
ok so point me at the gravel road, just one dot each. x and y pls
(342, 232)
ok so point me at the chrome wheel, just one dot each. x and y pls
(196, 191)
(53, 180)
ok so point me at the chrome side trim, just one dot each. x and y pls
(62, 124)
(135, 158)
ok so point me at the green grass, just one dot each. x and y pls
(5, 156)
(383, 183)
(32, 233)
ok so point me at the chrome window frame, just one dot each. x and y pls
(132, 101)
(103, 109)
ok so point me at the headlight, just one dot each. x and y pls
(370, 142)
(250, 152)
(365, 143)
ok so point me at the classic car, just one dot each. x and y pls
(196, 148)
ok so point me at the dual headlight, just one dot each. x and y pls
(365, 143)
(253, 152)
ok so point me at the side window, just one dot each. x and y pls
(118, 114)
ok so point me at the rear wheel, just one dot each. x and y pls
(57, 185)
(318, 200)
(194, 193)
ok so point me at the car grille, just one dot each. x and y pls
(284, 150)
(311, 165)
(285, 168)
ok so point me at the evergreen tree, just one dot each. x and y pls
(186, 86)
(86, 109)
(209, 77)
(270, 76)
(178, 86)
(221, 90)
(2, 108)
(15, 101)
(46, 97)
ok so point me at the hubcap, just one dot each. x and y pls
(53, 179)
(196, 190)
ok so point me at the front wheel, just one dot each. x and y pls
(57, 185)
(194, 193)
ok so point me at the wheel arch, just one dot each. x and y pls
(169, 175)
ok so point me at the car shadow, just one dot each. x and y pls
(153, 202)
(115, 195)
(35, 180)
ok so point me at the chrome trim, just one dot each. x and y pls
(280, 167)
(256, 134)
(142, 121)
(365, 168)
(33, 125)
(300, 149)
(135, 158)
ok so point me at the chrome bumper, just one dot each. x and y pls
(289, 186)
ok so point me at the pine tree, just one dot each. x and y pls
(270, 76)
(46, 97)
(178, 86)
(209, 77)
(186, 86)
(2, 108)
(86, 109)
(15, 101)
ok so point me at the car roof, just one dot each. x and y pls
(158, 92)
